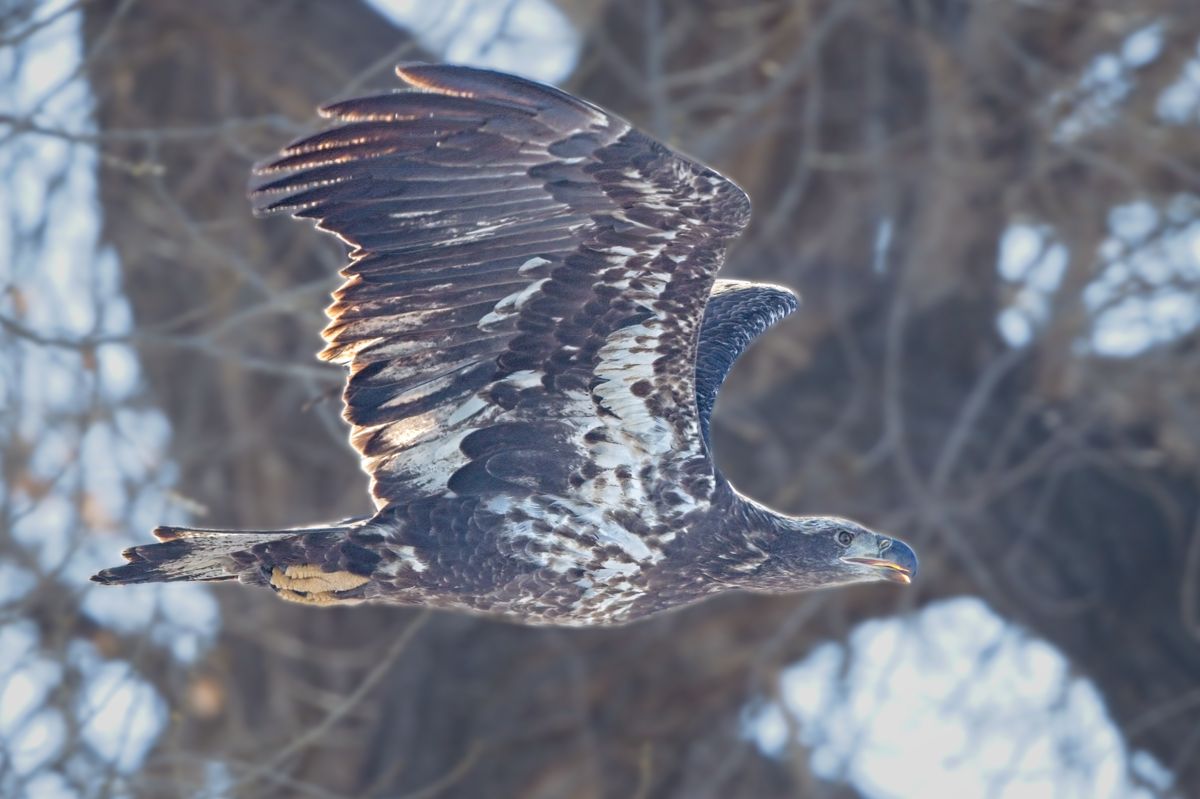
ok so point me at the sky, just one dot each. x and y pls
(922, 717)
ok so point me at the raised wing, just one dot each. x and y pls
(525, 292)
(737, 313)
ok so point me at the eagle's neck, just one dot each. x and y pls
(739, 539)
(757, 549)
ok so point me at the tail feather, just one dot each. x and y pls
(186, 553)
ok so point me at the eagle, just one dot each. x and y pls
(535, 337)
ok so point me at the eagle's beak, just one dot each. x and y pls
(896, 562)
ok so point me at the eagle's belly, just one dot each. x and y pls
(539, 560)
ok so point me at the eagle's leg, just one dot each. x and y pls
(313, 566)
(310, 584)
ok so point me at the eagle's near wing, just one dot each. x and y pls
(526, 290)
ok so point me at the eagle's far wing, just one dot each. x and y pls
(525, 293)
(738, 312)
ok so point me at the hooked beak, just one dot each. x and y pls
(896, 562)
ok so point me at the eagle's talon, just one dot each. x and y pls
(309, 578)
(304, 598)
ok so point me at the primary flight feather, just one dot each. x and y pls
(535, 340)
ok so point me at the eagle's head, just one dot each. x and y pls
(801, 553)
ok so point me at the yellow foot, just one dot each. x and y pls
(309, 584)
(324, 598)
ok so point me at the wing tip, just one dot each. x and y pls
(108, 576)
(489, 85)
(423, 75)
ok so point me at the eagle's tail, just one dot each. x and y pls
(185, 553)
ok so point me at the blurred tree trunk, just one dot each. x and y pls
(890, 398)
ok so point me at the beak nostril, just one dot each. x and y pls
(884, 545)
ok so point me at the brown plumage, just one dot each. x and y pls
(534, 342)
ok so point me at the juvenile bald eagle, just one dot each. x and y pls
(535, 341)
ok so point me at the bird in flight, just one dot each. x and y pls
(535, 339)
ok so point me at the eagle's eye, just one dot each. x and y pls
(845, 538)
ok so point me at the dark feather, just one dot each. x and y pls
(738, 312)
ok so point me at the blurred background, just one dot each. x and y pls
(992, 210)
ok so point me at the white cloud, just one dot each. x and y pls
(953, 702)
(1148, 292)
(1104, 84)
(1179, 103)
(526, 37)
(121, 715)
(1034, 261)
